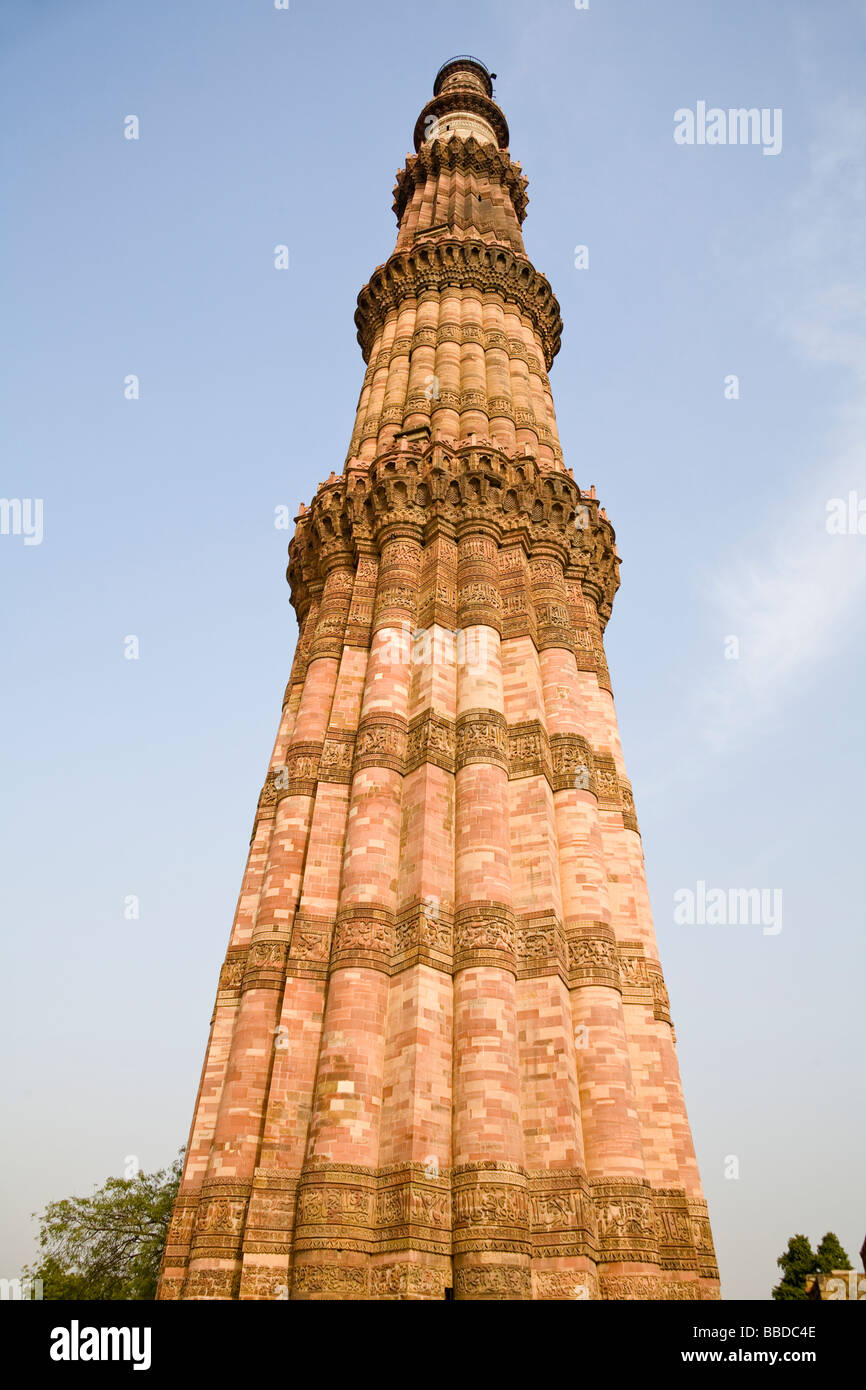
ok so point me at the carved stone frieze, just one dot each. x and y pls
(489, 1209)
(592, 954)
(493, 1281)
(310, 949)
(541, 946)
(219, 1219)
(335, 764)
(232, 972)
(482, 737)
(301, 771)
(424, 935)
(702, 1237)
(409, 1280)
(435, 265)
(633, 972)
(677, 1249)
(485, 934)
(458, 483)
(626, 1222)
(211, 1283)
(573, 763)
(329, 1281)
(565, 1285)
(380, 742)
(265, 964)
(661, 1000)
(607, 782)
(364, 936)
(633, 1287)
(431, 739)
(271, 1216)
(529, 753)
(470, 157)
(562, 1214)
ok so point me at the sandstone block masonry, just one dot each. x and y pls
(441, 1060)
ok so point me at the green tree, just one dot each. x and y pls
(798, 1260)
(107, 1246)
(831, 1255)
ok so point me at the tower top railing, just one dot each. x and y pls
(457, 61)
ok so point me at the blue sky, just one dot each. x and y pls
(155, 257)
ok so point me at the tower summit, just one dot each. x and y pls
(441, 1055)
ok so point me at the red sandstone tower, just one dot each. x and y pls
(441, 1056)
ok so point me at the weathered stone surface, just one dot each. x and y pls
(441, 1061)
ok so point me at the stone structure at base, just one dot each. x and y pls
(441, 1060)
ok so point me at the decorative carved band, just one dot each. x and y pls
(479, 736)
(220, 1217)
(553, 626)
(529, 751)
(626, 800)
(564, 1284)
(444, 483)
(424, 935)
(541, 946)
(450, 262)
(607, 782)
(482, 738)
(359, 625)
(661, 1000)
(470, 1210)
(407, 1280)
(426, 335)
(270, 1220)
(364, 936)
(275, 782)
(629, 1287)
(592, 955)
(485, 934)
(180, 1231)
(463, 99)
(677, 1249)
(626, 1222)
(633, 973)
(310, 950)
(335, 764)
(213, 1283)
(561, 1214)
(431, 739)
(266, 964)
(301, 771)
(330, 1281)
(413, 1211)
(479, 604)
(580, 951)
(573, 762)
(499, 1281)
(232, 972)
(336, 1210)
(381, 742)
(702, 1237)
(489, 1209)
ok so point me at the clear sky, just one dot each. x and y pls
(155, 257)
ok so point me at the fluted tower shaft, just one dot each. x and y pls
(441, 1060)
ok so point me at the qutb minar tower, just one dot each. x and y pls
(441, 1061)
